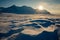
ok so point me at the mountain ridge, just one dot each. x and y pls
(22, 10)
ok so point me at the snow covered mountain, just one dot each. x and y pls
(23, 10)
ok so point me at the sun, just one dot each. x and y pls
(41, 8)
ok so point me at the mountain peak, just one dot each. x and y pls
(13, 6)
(42, 11)
(24, 6)
(23, 10)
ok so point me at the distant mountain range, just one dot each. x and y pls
(22, 10)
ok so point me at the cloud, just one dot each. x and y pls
(53, 8)
(51, 1)
(4, 27)
(35, 31)
(32, 31)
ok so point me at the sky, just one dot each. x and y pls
(52, 6)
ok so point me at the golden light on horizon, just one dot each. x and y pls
(41, 7)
